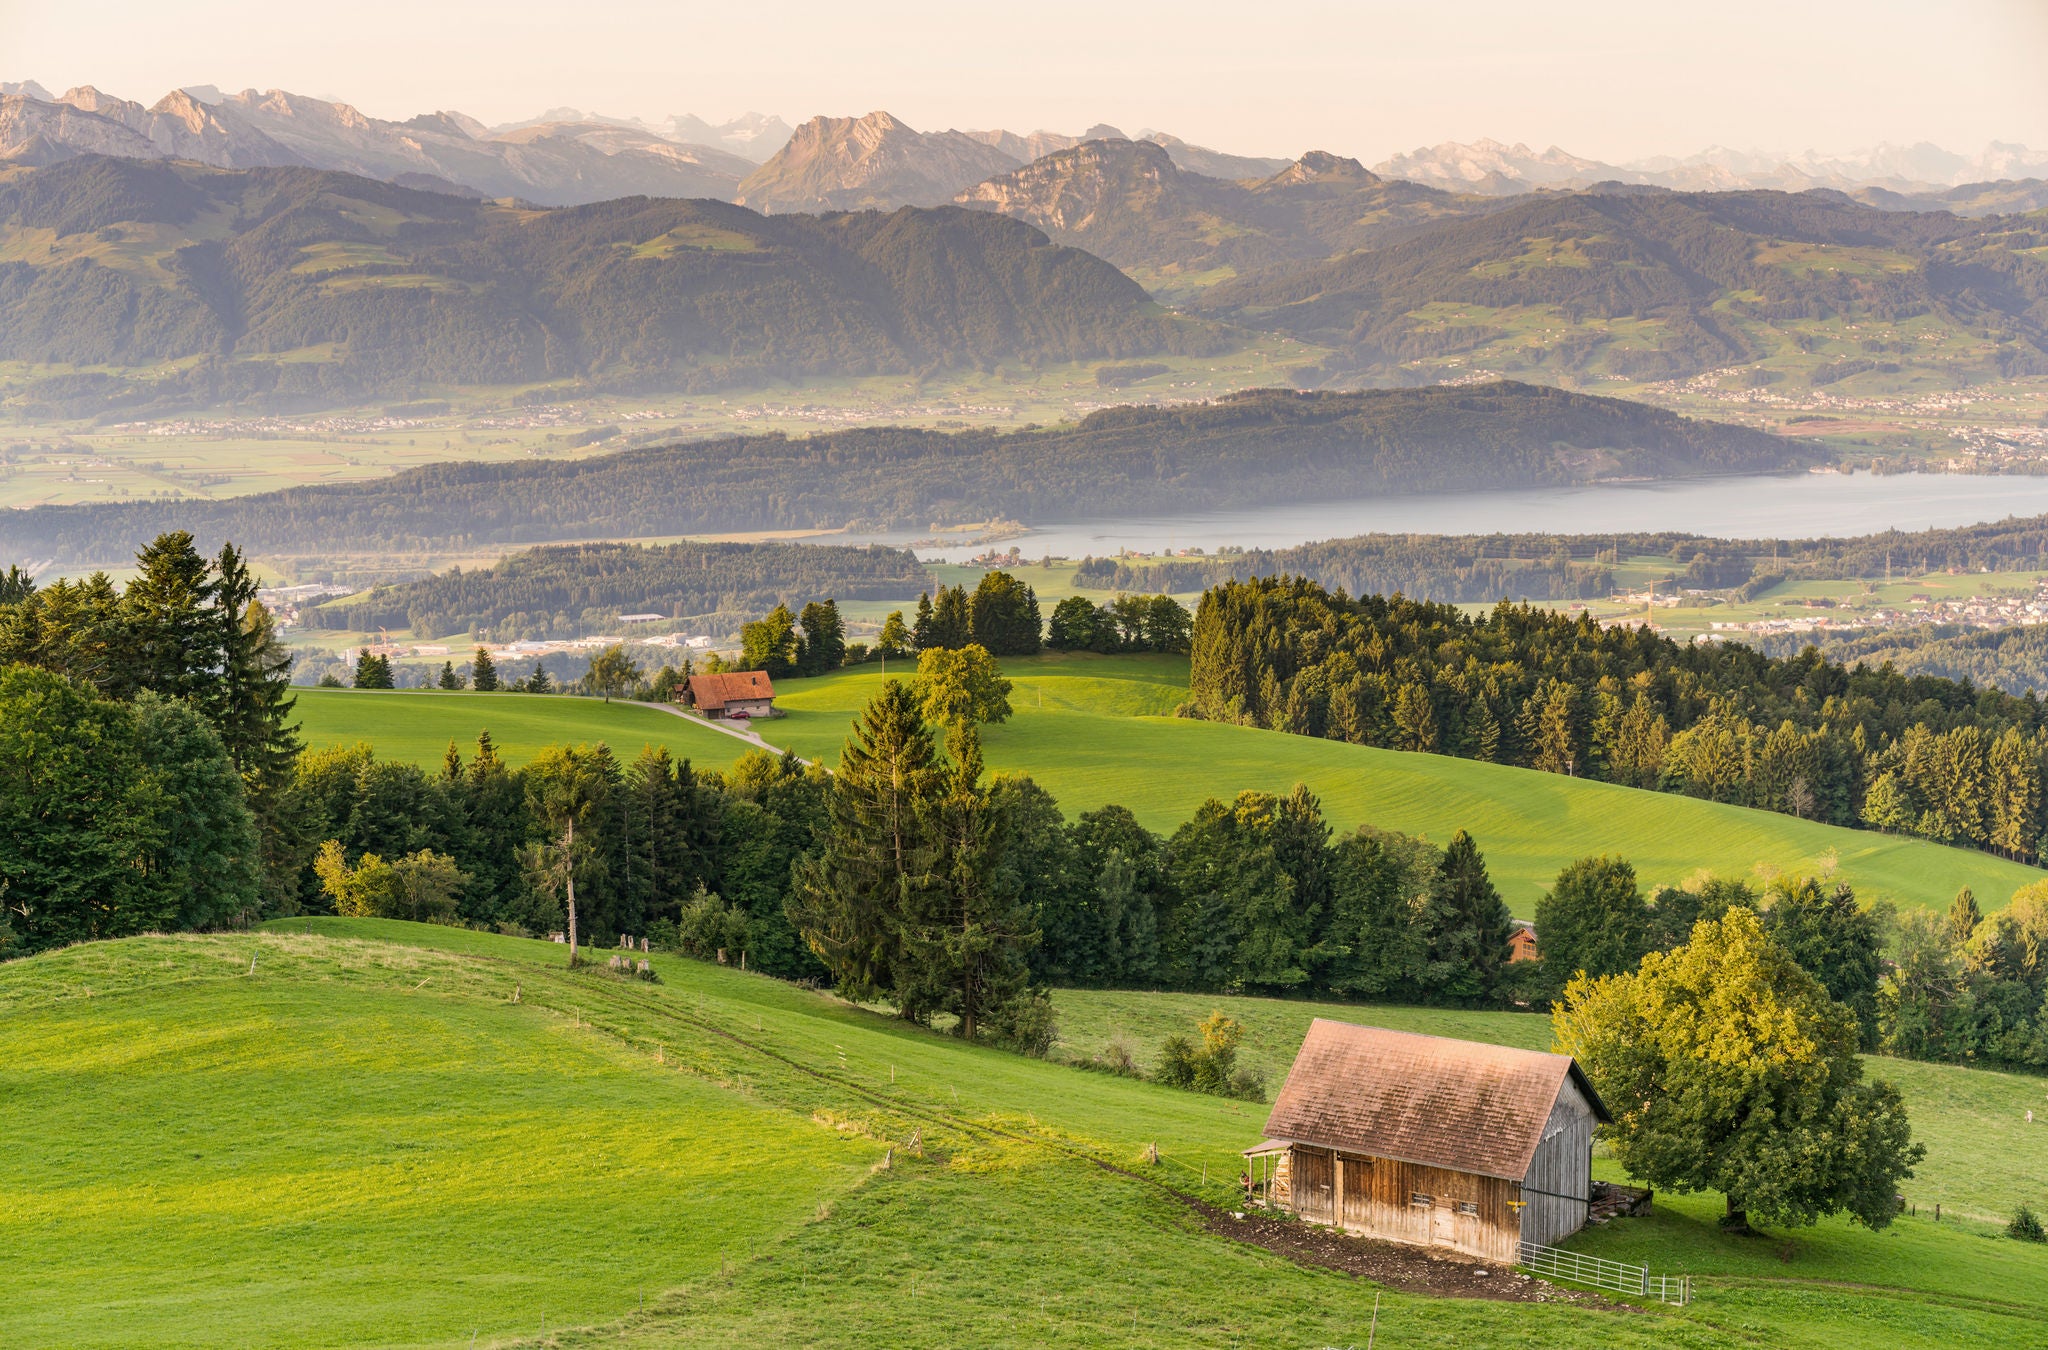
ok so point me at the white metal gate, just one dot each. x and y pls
(1618, 1276)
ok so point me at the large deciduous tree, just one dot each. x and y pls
(1729, 1068)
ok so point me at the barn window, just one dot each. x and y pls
(1418, 1198)
(1468, 1207)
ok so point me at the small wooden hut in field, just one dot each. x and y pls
(1430, 1140)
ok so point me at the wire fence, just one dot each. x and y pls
(1616, 1276)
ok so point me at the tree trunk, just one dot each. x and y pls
(569, 880)
(1736, 1220)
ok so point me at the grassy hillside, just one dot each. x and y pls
(417, 724)
(356, 1142)
(1983, 1156)
(1096, 729)
(1099, 729)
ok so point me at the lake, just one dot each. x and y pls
(1791, 506)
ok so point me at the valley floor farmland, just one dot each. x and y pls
(1095, 730)
(392, 1151)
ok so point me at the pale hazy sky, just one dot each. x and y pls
(1614, 79)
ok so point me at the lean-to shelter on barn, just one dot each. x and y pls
(1430, 1140)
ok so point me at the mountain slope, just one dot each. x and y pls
(297, 284)
(550, 163)
(876, 161)
(1641, 284)
(1130, 202)
(1257, 447)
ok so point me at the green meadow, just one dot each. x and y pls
(364, 1132)
(1099, 729)
(418, 724)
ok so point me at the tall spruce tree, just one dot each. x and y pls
(824, 643)
(882, 849)
(965, 945)
(483, 673)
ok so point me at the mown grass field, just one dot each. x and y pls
(391, 1151)
(1099, 729)
(1096, 729)
(417, 724)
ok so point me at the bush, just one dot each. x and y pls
(2025, 1226)
(1027, 1024)
(1210, 1067)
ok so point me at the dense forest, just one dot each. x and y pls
(583, 588)
(1802, 735)
(1709, 270)
(1249, 448)
(376, 290)
(1465, 569)
(2013, 659)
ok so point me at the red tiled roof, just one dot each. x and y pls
(1431, 1100)
(732, 686)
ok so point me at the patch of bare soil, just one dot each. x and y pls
(1397, 1265)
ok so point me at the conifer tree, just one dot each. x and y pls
(964, 947)
(952, 625)
(921, 630)
(881, 850)
(449, 679)
(372, 671)
(483, 673)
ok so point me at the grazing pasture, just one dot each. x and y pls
(365, 1139)
(1099, 729)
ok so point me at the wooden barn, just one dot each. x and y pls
(1430, 1140)
(732, 693)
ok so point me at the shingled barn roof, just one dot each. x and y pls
(732, 686)
(1430, 1100)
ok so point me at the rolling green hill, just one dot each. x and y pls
(1094, 730)
(348, 1132)
(416, 724)
(179, 285)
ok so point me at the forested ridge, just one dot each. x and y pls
(1478, 568)
(569, 590)
(1802, 735)
(1245, 449)
(382, 290)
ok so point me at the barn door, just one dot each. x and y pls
(1314, 1185)
(1357, 1192)
(1443, 1222)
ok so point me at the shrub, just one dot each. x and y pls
(2026, 1227)
(1210, 1067)
(1027, 1024)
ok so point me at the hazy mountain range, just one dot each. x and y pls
(1488, 166)
(567, 156)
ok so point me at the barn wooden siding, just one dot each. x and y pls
(1562, 1167)
(1405, 1202)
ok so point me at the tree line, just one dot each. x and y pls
(1801, 735)
(1482, 568)
(571, 590)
